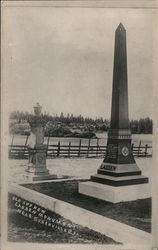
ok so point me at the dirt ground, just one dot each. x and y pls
(74, 167)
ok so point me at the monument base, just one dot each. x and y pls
(114, 194)
(39, 174)
(34, 177)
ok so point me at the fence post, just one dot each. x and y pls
(58, 151)
(11, 144)
(139, 148)
(97, 147)
(69, 149)
(132, 147)
(79, 148)
(105, 150)
(89, 142)
(25, 145)
(146, 150)
(47, 145)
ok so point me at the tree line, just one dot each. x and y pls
(143, 125)
(21, 116)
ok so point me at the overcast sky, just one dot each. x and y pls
(63, 59)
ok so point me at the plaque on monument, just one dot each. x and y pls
(118, 177)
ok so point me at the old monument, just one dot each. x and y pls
(118, 178)
(37, 169)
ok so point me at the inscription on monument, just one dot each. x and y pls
(112, 151)
(41, 158)
(108, 167)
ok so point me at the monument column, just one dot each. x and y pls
(118, 178)
(119, 136)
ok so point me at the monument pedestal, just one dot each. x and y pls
(37, 169)
(114, 194)
(35, 177)
(116, 183)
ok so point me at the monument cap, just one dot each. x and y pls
(120, 27)
(37, 109)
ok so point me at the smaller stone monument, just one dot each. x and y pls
(37, 169)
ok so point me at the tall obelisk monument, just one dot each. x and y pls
(119, 136)
(118, 178)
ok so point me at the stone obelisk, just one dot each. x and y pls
(118, 178)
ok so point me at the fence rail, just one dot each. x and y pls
(59, 150)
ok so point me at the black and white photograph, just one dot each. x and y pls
(78, 124)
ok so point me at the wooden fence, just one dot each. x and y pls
(80, 150)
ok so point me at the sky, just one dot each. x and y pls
(63, 59)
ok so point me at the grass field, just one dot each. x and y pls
(133, 213)
(22, 229)
(72, 167)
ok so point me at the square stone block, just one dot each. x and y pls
(34, 177)
(115, 194)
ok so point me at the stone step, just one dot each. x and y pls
(119, 181)
(118, 173)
